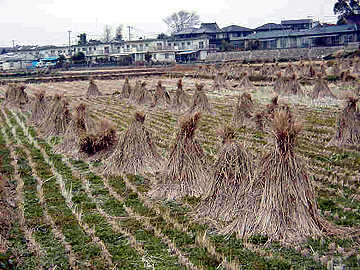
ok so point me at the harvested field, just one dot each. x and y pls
(74, 217)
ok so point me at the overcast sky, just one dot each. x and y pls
(46, 22)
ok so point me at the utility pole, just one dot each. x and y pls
(13, 42)
(69, 42)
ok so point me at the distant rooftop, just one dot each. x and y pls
(205, 28)
(235, 28)
(271, 26)
(312, 32)
(301, 21)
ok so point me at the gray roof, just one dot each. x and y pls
(235, 28)
(205, 28)
(210, 27)
(271, 26)
(302, 21)
(312, 32)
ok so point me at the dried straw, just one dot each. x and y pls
(38, 108)
(243, 111)
(80, 124)
(93, 90)
(229, 180)
(181, 100)
(186, 171)
(281, 202)
(200, 102)
(16, 96)
(321, 89)
(161, 96)
(135, 152)
(347, 126)
(126, 90)
(57, 118)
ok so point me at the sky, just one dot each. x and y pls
(47, 22)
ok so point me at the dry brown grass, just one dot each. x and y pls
(80, 124)
(161, 96)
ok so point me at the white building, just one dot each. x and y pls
(169, 50)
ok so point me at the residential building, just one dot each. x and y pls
(316, 37)
(303, 24)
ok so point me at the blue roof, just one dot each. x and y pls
(50, 58)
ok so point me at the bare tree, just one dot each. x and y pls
(119, 33)
(181, 20)
(107, 33)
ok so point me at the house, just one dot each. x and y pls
(271, 27)
(231, 34)
(206, 30)
(302, 24)
(316, 37)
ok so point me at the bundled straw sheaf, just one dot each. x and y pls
(38, 108)
(245, 81)
(186, 171)
(243, 111)
(161, 96)
(135, 152)
(181, 100)
(293, 86)
(126, 90)
(321, 89)
(348, 126)
(16, 96)
(80, 123)
(100, 141)
(200, 102)
(93, 89)
(280, 84)
(229, 180)
(281, 202)
(140, 95)
(57, 119)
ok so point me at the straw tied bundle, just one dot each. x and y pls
(186, 171)
(99, 142)
(181, 100)
(140, 94)
(79, 124)
(321, 88)
(126, 90)
(38, 108)
(15, 95)
(229, 180)
(135, 152)
(243, 111)
(161, 96)
(200, 102)
(57, 119)
(93, 90)
(348, 125)
(281, 201)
